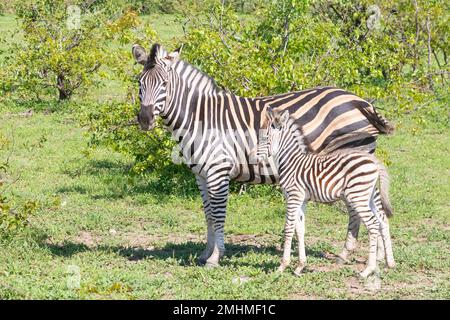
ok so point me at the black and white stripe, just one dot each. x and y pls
(217, 131)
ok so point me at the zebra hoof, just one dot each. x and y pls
(367, 272)
(391, 264)
(342, 261)
(281, 268)
(211, 265)
(299, 271)
(201, 261)
(363, 275)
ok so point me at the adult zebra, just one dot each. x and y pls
(217, 131)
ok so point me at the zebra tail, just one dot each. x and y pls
(377, 120)
(384, 190)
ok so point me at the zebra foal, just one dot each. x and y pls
(346, 174)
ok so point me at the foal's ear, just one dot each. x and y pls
(139, 54)
(284, 117)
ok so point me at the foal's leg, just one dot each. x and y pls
(386, 235)
(360, 203)
(390, 261)
(353, 230)
(384, 240)
(294, 203)
(376, 206)
(300, 230)
(373, 227)
(352, 235)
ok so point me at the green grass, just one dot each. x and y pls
(7, 23)
(159, 229)
(138, 237)
(167, 26)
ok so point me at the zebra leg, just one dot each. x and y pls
(373, 226)
(380, 248)
(361, 203)
(218, 187)
(384, 239)
(386, 243)
(353, 231)
(300, 230)
(201, 182)
(294, 205)
(352, 236)
(376, 204)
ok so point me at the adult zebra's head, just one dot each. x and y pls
(153, 82)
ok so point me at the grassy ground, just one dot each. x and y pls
(138, 237)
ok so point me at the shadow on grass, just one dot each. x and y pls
(115, 181)
(184, 253)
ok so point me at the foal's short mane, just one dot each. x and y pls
(297, 133)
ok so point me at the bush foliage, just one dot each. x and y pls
(374, 51)
(379, 52)
(66, 47)
(189, 6)
(14, 213)
(395, 52)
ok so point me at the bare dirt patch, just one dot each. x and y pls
(256, 240)
(141, 240)
(88, 239)
(325, 268)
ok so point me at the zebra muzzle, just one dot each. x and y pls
(146, 118)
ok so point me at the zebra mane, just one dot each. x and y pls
(153, 59)
(208, 79)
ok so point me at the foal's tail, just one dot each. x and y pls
(384, 190)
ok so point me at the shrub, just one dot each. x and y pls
(384, 53)
(14, 214)
(13, 219)
(64, 47)
(112, 124)
(297, 44)
(183, 6)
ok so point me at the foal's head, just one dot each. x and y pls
(279, 127)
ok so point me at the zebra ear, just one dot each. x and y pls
(139, 54)
(270, 113)
(178, 51)
(173, 57)
(284, 117)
